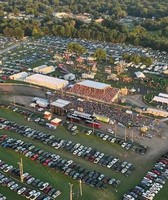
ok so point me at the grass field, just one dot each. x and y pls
(61, 181)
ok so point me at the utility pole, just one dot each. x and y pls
(132, 135)
(115, 129)
(93, 128)
(125, 134)
(80, 186)
(21, 169)
(14, 100)
(70, 192)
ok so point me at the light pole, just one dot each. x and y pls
(80, 186)
(21, 169)
(70, 192)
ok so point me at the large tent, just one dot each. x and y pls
(47, 81)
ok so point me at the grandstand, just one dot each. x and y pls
(96, 91)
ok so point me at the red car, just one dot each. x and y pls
(2, 137)
(163, 161)
(45, 163)
(150, 177)
(156, 172)
(34, 157)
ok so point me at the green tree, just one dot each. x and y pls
(76, 48)
(100, 54)
(19, 33)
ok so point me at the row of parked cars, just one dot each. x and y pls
(2, 197)
(110, 137)
(77, 149)
(68, 167)
(43, 190)
(152, 182)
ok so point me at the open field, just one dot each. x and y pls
(60, 181)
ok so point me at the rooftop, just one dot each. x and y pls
(94, 84)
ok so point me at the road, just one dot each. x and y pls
(136, 100)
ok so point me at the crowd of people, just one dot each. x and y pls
(114, 113)
(105, 95)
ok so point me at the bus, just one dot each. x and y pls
(73, 118)
(83, 116)
(93, 124)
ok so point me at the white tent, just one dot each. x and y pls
(44, 69)
(46, 81)
(160, 99)
(140, 75)
(19, 76)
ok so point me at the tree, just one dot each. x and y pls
(100, 54)
(19, 33)
(76, 48)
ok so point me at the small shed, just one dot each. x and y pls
(56, 121)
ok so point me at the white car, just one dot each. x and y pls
(10, 184)
(44, 185)
(30, 194)
(113, 140)
(29, 181)
(21, 190)
(74, 128)
(97, 160)
(110, 131)
(8, 168)
(25, 175)
(56, 194)
(13, 186)
(110, 164)
(89, 132)
(35, 196)
(105, 137)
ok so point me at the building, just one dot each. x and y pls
(19, 76)
(157, 112)
(59, 106)
(56, 121)
(44, 69)
(90, 75)
(46, 81)
(95, 90)
(161, 99)
(47, 115)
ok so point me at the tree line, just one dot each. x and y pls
(110, 30)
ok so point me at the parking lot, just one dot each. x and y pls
(66, 137)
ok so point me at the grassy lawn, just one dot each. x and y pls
(61, 181)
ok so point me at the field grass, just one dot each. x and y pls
(61, 181)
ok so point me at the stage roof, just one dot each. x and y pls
(60, 103)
